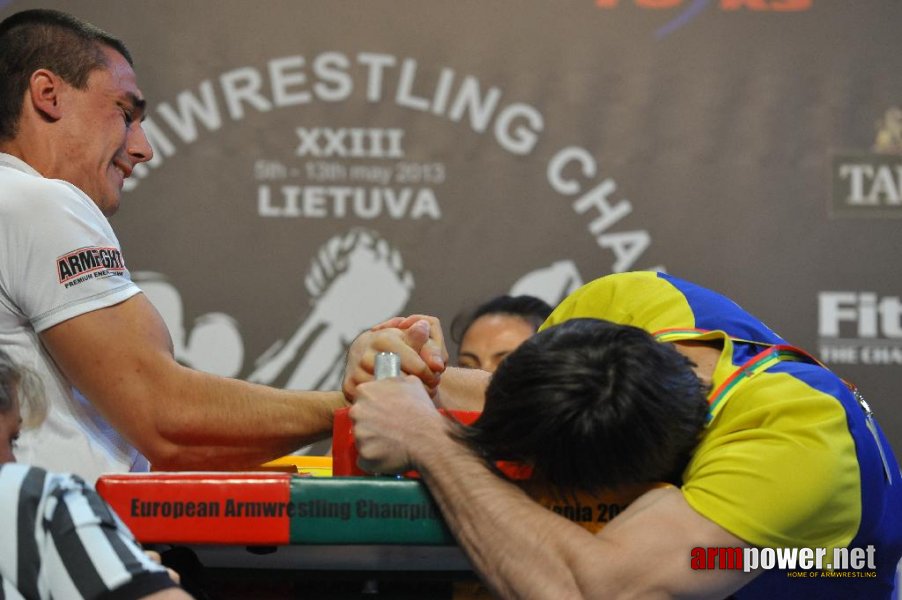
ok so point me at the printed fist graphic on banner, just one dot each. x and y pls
(354, 281)
(213, 345)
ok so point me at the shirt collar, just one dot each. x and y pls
(18, 164)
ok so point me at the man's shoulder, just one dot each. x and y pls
(25, 195)
(790, 388)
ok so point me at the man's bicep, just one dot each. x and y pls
(114, 356)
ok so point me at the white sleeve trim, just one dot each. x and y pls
(84, 305)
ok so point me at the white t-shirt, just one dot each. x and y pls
(59, 258)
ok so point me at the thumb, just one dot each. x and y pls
(420, 337)
(417, 335)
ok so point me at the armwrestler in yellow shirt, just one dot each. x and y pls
(636, 378)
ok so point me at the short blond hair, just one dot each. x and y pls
(19, 382)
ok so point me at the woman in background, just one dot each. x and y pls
(495, 329)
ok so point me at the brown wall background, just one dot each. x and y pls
(753, 146)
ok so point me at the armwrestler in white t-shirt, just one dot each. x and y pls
(61, 259)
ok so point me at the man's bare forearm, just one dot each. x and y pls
(463, 389)
(521, 549)
(227, 423)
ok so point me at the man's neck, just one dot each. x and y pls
(15, 148)
(9, 147)
(704, 357)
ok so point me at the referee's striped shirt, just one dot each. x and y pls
(59, 539)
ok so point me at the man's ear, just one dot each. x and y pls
(44, 90)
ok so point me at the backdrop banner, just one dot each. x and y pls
(322, 166)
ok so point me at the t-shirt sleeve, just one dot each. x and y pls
(62, 258)
(70, 542)
(778, 468)
(88, 542)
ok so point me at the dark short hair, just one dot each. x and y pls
(593, 405)
(529, 308)
(46, 39)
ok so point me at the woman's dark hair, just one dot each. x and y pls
(593, 405)
(529, 308)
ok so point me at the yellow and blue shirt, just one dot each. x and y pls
(789, 457)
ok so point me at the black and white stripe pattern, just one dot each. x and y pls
(59, 539)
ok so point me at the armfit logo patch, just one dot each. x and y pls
(89, 263)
